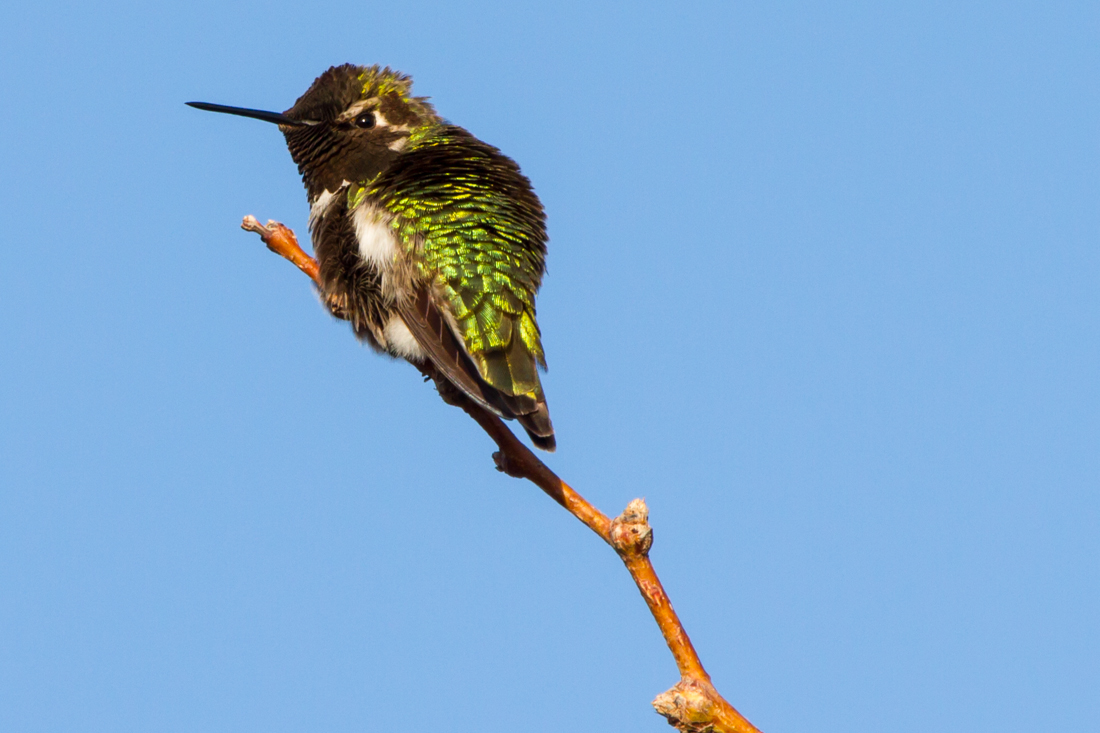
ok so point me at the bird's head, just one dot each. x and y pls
(348, 126)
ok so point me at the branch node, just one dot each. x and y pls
(631, 535)
(500, 458)
(688, 707)
(694, 706)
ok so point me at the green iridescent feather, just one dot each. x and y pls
(470, 220)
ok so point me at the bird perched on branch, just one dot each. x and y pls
(429, 241)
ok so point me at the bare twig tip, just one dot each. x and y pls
(694, 706)
(687, 707)
(631, 534)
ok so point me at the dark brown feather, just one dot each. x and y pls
(433, 333)
(352, 288)
(539, 429)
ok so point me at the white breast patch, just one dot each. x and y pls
(377, 241)
(400, 341)
(320, 204)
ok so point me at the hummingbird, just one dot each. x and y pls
(430, 242)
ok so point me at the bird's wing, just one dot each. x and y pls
(480, 247)
(431, 330)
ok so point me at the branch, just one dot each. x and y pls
(692, 705)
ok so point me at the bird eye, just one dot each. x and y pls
(365, 120)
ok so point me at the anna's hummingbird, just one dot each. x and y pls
(429, 241)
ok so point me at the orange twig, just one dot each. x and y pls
(281, 240)
(692, 705)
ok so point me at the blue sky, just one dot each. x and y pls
(823, 289)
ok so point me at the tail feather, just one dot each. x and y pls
(539, 428)
(431, 331)
(511, 366)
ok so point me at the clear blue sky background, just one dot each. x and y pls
(823, 289)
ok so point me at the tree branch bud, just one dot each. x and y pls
(631, 535)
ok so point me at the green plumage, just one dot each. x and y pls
(430, 241)
(483, 248)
